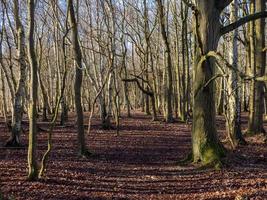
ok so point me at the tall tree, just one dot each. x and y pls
(258, 62)
(32, 165)
(233, 113)
(17, 113)
(206, 147)
(162, 21)
(78, 79)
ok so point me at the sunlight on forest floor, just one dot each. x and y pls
(140, 163)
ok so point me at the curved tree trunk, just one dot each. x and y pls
(78, 80)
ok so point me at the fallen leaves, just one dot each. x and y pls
(141, 163)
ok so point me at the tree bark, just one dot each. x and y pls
(233, 104)
(169, 92)
(17, 112)
(32, 165)
(206, 147)
(78, 80)
(258, 62)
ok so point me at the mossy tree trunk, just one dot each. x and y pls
(206, 147)
(205, 144)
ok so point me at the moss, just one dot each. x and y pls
(211, 155)
(216, 165)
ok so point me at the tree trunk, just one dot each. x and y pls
(105, 120)
(3, 89)
(206, 147)
(233, 104)
(255, 124)
(78, 80)
(169, 92)
(32, 165)
(18, 105)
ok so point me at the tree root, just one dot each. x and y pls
(187, 160)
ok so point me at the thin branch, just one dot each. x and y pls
(213, 78)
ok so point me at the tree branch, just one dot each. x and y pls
(220, 58)
(147, 92)
(262, 78)
(213, 78)
(242, 21)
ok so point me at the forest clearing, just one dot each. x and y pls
(133, 99)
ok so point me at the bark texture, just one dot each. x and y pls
(18, 105)
(258, 62)
(206, 147)
(32, 165)
(78, 79)
(233, 106)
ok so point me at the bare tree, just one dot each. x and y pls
(78, 80)
(233, 108)
(206, 147)
(162, 19)
(18, 106)
(258, 65)
(32, 164)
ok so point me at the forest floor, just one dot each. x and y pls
(140, 163)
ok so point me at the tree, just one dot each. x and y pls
(162, 19)
(18, 105)
(233, 113)
(32, 165)
(206, 147)
(258, 65)
(78, 79)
